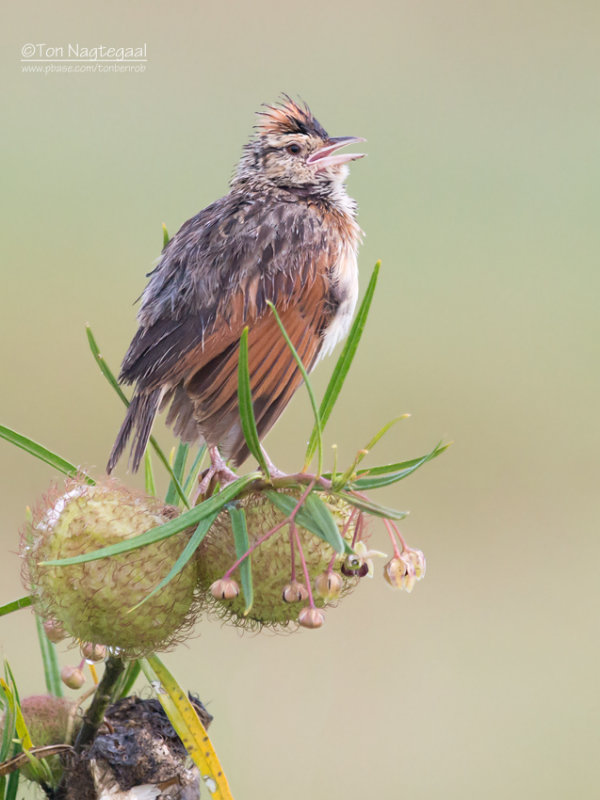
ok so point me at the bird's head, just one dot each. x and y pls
(291, 149)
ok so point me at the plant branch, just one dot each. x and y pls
(94, 716)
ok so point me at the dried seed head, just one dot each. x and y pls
(294, 592)
(310, 617)
(328, 585)
(48, 720)
(92, 600)
(72, 677)
(224, 589)
(93, 652)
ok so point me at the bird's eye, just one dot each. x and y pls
(294, 149)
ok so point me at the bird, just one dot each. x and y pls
(285, 233)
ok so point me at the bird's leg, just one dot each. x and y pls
(274, 472)
(218, 470)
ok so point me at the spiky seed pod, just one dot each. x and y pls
(93, 600)
(275, 596)
(50, 720)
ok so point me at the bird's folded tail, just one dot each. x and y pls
(140, 416)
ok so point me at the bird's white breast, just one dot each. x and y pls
(345, 277)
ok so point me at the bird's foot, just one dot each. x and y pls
(294, 477)
(218, 472)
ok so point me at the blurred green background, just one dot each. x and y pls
(480, 194)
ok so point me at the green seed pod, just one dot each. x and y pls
(50, 720)
(92, 600)
(276, 602)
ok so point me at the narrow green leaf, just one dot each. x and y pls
(13, 784)
(178, 469)
(165, 462)
(16, 724)
(240, 536)
(400, 466)
(41, 452)
(183, 558)
(166, 238)
(49, 661)
(343, 479)
(15, 605)
(286, 504)
(246, 408)
(372, 508)
(194, 472)
(104, 368)
(382, 431)
(127, 680)
(8, 729)
(334, 471)
(10, 680)
(320, 512)
(109, 375)
(306, 517)
(344, 363)
(213, 505)
(149, 483)
(384, 469)
(377, 481)
(309, 389)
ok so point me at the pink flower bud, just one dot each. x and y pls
(294, 592)
(224, 589)
(72, 677)
(328, 585)
(311, 617)
(93, 652)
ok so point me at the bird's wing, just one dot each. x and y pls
(216, 277)
(274, 375)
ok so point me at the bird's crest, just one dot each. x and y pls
(289, 117)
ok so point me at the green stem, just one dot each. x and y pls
(94, 716)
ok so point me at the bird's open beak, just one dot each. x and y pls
(323, 157)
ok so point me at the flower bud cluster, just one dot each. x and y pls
(404, 570)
